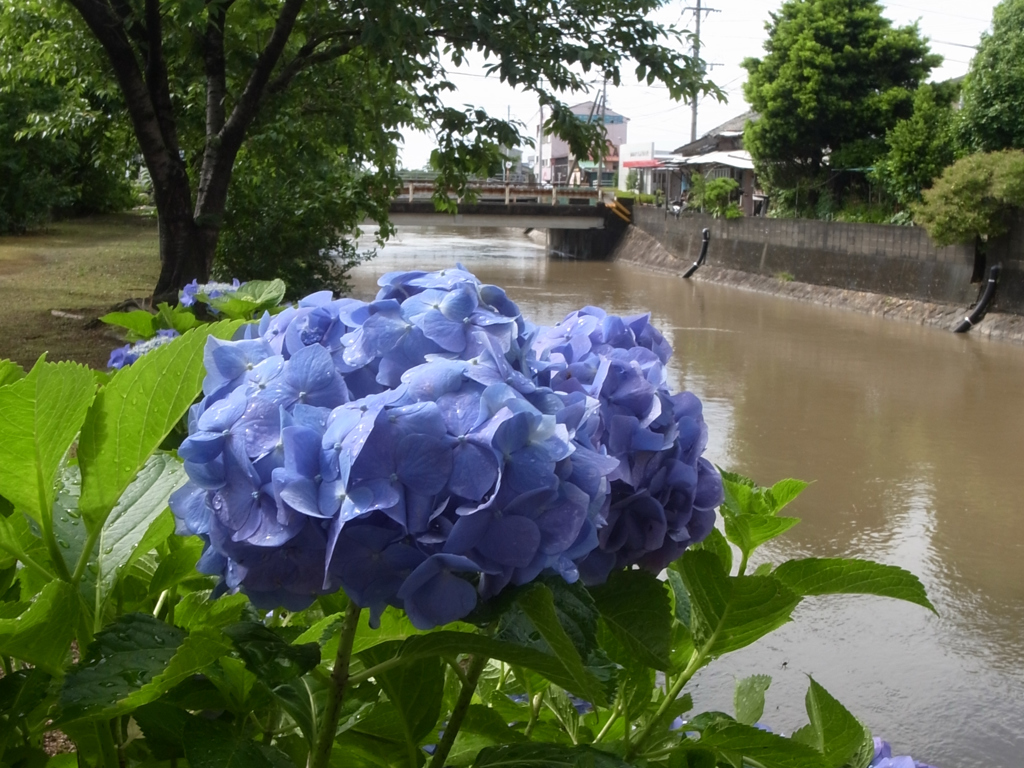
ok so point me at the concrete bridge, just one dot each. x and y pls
(580, 222)
(531, 215)
(576, 230)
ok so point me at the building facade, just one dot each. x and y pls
(562, 168)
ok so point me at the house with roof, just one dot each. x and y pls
(561, 167)
(720, 154)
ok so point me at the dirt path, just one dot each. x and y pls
(53, 283)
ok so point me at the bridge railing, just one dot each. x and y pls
(511, 193)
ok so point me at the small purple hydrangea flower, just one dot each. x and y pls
(883, 758)
(191, 292)
(129, 353)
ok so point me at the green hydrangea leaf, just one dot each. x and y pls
(42, 634)
(833, 731)
(835, 576)
(735, 741)
(126, 532)
(415, 688)
(10, 372)
(132, 662)
(213, 744)
(268, 655)
(139, 323)
(636, 608)
(731, 612)
(546, 756)
(749, 698)
(539, 605)
(40, 416)
(134, 413)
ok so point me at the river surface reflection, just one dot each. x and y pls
(912, 437)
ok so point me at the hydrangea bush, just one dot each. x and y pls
(431, 447)
(417, 530)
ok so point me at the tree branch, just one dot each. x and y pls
(110, 31)
(248, 103)
(156, 77)
(216, 79)
(308, 56)
(130, 22)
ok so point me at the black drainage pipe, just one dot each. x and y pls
(979, 310)
(706, 235)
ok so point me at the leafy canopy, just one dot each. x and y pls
(835, 77)
(920, 147)
(994, 88)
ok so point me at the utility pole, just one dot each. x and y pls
(540, 147)
(698, 10)
(604, 146)
(504, 160)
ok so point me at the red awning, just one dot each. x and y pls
(648, 163)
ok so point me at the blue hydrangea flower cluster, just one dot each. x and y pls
(129, 353)
(431, 447)
(195, 290)
(883, 758)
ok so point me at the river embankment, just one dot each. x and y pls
(890, 272)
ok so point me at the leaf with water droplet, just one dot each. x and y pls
(118, 437)
(42, 634)
(138, 523)
(137, 659)
(40, 415)
(20, 693)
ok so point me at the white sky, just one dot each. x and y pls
(735, 32)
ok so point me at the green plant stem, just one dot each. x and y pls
(458, 670)
(172, 600)
(616, 710)
(29, 562)
(366, 674)
(160, 603)
(534, 714)
(476, 666)
(83, 559)
(51, 545)
(696, 662)
(743, 564)
(336, 688)
(108, 750)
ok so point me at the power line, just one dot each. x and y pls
(937, 13)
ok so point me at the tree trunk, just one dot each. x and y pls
(186, 248)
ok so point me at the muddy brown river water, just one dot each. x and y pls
(913, 439)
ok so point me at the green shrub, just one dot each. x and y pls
(284, 221)
(974, 198)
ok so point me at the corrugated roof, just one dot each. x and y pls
(737, 158)
(730, 128)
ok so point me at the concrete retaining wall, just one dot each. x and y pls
(890, 260)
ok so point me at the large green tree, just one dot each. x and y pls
(835, 77)
(920, 147)
(993, 93)
(198, 78)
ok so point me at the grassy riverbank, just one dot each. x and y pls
(80, 268)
